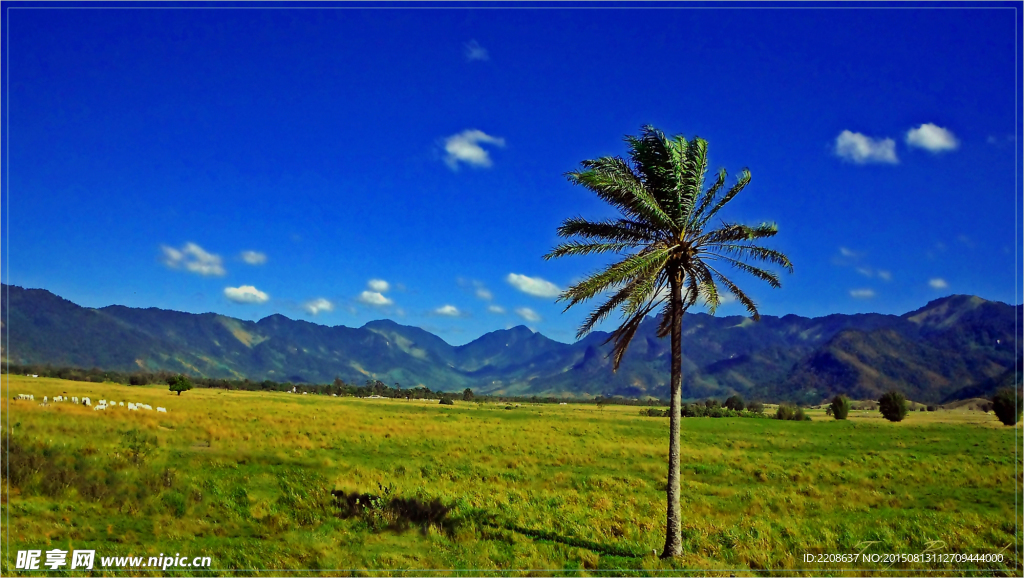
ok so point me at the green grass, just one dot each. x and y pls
(246, 478)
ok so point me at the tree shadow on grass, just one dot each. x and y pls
(393, 513)
(387, 512)
(567, 540)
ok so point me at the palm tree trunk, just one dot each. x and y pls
(673, 538)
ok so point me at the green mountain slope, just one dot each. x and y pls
(952, 347)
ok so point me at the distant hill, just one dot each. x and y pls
(956, 347)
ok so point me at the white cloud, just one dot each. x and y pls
(726, 298)
(932, 138)
(474, 51)
(861, 149)
(374, 298)
(527, 314)
(193, 258)
(938, 283)
(317, 305)
(378, 285)
(862, 293)
(533, 285)
(847, 252)
(496, 309)
(865, 271)
(254, 257)
(484, 294)
(884, 275)
(448, 310)
(246, 294)
(465, 147)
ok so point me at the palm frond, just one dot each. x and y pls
(612, 179)
(634, 266)
(754, 252)
(740, 295)
(625, 230)
(624, 334)
(729, 232)
(741, 182)
(578, 248)
(638, 286)
(692, 183)
(697, 210)
(762, 274)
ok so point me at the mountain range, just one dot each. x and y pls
(955, 347)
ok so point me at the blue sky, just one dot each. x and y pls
(344, 165)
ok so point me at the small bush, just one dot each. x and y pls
(1008, 406)
(785, 412)
(448, 401)
(893, 406)
(931, 408)
(840, 407)
(136, 445)
(756, 407)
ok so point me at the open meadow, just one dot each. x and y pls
(247, 479)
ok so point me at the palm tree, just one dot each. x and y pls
(672, 255)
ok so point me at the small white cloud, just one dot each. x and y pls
(193, 258)
(1000, 141)
(374, 298)
(938, 283)
(847, 252)
(528, 314)
(496, 309)
(378, 285)
(932, 138)
(884, 275)
(465, 148)
(861, 149)
(317, 305)
(726, 298)
(484, 294)
(474, 51)
(254, 257)
(448, 310)
(862, 293)
(246, 294)
(865, 271)
(533, 285)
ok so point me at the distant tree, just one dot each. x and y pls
(601, 401)
(735, 403)
(137, 379)
(840, 407)
(931, 408)
(1008, 405)
(756, 407)
(893, 406)
(467, 394)
(711, 403)
(179, 383)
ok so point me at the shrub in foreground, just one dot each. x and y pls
(840, 407)
(1008, 406)
(893, 406)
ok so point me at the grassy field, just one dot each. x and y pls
(247, 479)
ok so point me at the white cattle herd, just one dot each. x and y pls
(101, 404)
